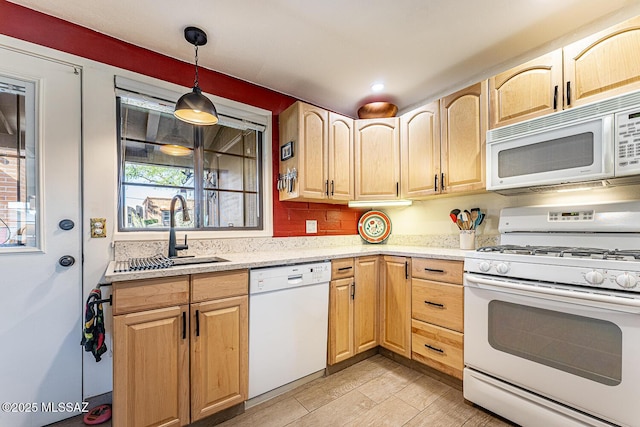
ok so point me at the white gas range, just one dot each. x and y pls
(552, 317)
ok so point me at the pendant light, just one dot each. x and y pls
(194, 107)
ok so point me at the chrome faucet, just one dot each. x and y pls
(173, 248)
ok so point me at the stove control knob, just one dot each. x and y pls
(502, 268)
(626, 280)
(484, 266)
(594, 277)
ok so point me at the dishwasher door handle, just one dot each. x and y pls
(294, 280)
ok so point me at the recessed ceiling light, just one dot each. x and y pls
(377, 87)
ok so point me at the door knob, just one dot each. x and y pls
(66, 224)
(67, 261)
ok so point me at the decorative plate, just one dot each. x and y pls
(374, 227)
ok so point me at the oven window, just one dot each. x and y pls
(582, 346)
(569, 152)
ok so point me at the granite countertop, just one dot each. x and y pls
(285, 257)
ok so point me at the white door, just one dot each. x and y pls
(40, 299)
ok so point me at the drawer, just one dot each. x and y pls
(147, 294)
(341, 268)
(440, 270)
(220, 284)
(437, 347)
(438, 303)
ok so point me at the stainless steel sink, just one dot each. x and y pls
(197, 260)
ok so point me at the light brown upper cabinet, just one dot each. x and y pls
(377, 164)
(529, 90)
(322, 154)
(600, 66)
(463, 117)
(420, 151)
(603, 65)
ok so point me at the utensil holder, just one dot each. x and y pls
(468, 239)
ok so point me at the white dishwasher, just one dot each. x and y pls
(288, 320)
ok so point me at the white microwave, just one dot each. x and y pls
(594, 145)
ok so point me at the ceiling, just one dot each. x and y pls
(330, 52)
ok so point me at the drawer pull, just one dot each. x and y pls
(434, 270)
(435, 304)
(436, 349)
(345, 268)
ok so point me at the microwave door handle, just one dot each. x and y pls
(605, 302)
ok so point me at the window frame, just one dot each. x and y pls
(230, 111)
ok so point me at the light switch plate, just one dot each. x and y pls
(98, 227)
(312, 226)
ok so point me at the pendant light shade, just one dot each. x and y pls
(194, 107)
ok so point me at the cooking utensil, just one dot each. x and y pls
(474, 217)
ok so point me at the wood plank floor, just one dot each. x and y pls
(374, 392)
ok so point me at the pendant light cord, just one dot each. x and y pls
(195, 84)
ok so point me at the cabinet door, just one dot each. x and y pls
(420, 145)
(340, 160)
(464, 126)
(377, 166)
(219, 355)
(151, 368)
(307, 127)
(365, 310)
(603, 65)
(341, 320)
(529, 90)
(395, 305)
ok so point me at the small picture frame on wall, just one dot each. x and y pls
(286, 151)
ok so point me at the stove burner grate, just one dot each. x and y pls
(565, 251)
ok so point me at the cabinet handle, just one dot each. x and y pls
(397, 189)
(184, 325)
(434, 270)
(197, 323)
(406, 269)
(345, 268)
(436, 349)
(326, 188)
(435, 185)
(568, 93)
(332, 188)
(442, 181)
(435, 304)
(353, 290)
(555, 98)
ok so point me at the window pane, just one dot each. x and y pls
(18, 210)
(224, 209)
(223, 171)
(148, 207)
(222, 139)
(251, 210)
(250, 175)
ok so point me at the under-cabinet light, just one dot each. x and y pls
(379, 203)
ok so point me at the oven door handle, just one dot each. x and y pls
(606, 302)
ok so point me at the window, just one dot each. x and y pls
(18, 165)
(217, 169)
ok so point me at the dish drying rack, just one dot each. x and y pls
(155, 262)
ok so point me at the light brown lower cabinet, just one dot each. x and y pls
(395, 305)
(175, 362)
(353, 307)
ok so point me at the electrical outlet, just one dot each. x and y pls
(98, 227)
(312, 226)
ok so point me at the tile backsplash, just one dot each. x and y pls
(199, 247)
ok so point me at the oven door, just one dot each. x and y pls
(575, 348)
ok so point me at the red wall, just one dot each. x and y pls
(288, 217)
